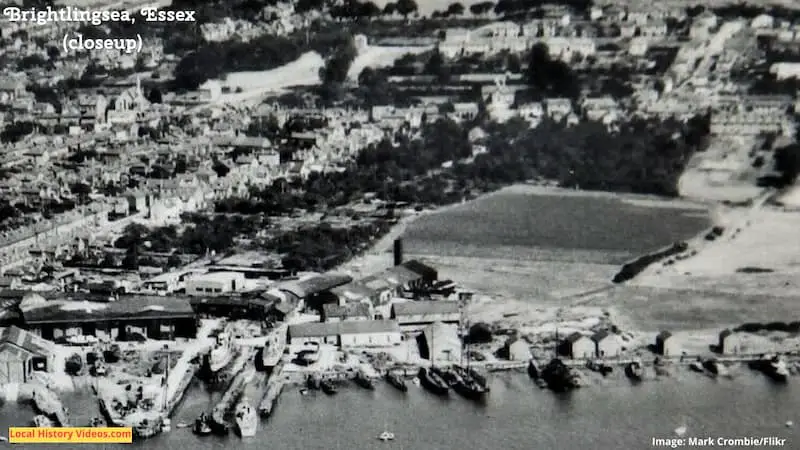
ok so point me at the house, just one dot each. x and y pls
(667, 345)
(350, 311)
(419, 314)
(763, 21)
(609, 345)
(578, 346)
(9, 283)
(627, 29)
(22, 353)
(730, 343)
(367, 333)
(215, 283)
(517, 349)
(10, 90)
(656, 28)
(558, 107)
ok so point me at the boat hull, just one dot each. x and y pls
(396, 382)
(433, 383)
(328, 387)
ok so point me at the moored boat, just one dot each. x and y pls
(775, 368)
(396, 381)
(433, 382)
(146, 429)
(201, 426)
(697, 366)
(246, 419)
(273, 351)
(42, 421)
(97, 422)
(363, 380)
(328, 387)
(633, 370)
(221, 354)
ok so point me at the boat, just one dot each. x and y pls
(789, 424)
(697, 366)
(396, 381)
(246, 419)
(273, 351)
(3, 439)
(433, 382)
(559, 377)
(777, 370)
(222, 353)
(363, 380)
(633, 370)
(533, 370)
(166, 425)
(201, 426)
(541, 383)
(42, 421)
(146, 429)
(328, 387)
(475, 384)
(386, 436)
(182, 425)
(312, 382)
(681, 430)
(46, 401)
(97, 422)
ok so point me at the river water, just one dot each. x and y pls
(515, 415)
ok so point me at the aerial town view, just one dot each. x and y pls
(318, 224)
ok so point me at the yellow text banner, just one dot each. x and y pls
(32, 435)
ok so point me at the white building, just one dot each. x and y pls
(215, 283)
(358, 333)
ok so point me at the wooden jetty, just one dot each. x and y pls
(187, 378)
(274, 388)
(243, 374)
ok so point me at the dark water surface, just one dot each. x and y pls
(516, 416)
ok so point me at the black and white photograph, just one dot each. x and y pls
(400, 224)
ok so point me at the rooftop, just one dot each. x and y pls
(27, 341)
(314, 284)
(126, 307)
(316, 329)
(424, 307)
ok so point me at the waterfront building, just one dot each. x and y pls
(215, 283)
(578, 346)
(667, 345)
(609, 345)
(155, 317)
(351, 333)
(441, 343)
(517, 349)
(22, 353)
(416, 315)
(730, 343)
(351, 311)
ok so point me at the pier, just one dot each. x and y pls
(242, 375)
(275, 386)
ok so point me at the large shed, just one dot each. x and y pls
(667, 344)
(578, 346)
(415, 315)
(22, 353)
(440, 343)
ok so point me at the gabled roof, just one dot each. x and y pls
(27, 341)
(574, 337)
(424, 307)
(664, 335)
(317, 329)
(603, 335)
(315, 284)
(344, 311)
(126, 307)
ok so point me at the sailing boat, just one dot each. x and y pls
(429, 377)
(386, 435)
(469, 382)
(166, 424)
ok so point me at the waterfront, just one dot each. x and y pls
(516, 415)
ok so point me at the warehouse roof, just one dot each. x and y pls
(126, 307)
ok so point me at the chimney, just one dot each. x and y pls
(398, 252)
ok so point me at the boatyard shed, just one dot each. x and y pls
(350, 311)
(155, 317)
(305, 288)
(215, 283)
(609, 345)
(369, 333)
(517, 349)
(366, 333)
(730, 343)
(390, 282)
(577, 346)
(428, 273)
(353, 292)
(22, 353)
(416, 315)
(667, 344)
(440, 342)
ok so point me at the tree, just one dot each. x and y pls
(455, 9)
(389, 9)
(406, 7)
(337, 66)
(481, 8)
(787, 163)
(154, 96)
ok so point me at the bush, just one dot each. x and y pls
(73, 365)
